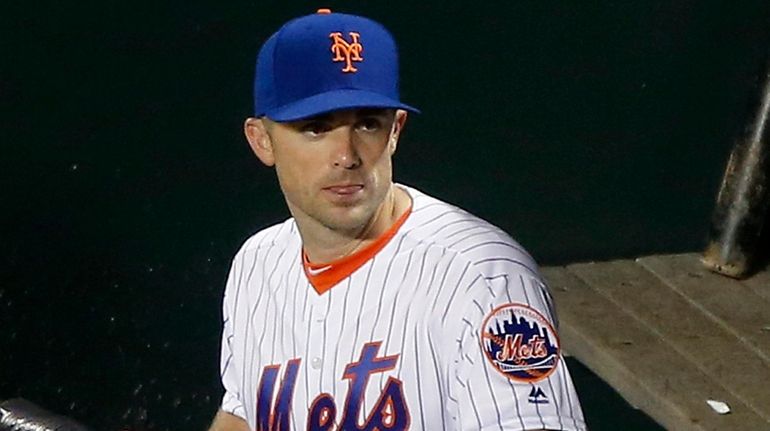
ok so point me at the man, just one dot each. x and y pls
(375, 306)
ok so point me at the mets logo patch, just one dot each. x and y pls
(520, 342)
(345, 51)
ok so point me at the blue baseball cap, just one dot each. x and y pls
(326, 62)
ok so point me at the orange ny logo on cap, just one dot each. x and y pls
(346, 51)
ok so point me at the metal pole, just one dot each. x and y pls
(742, 201)
(21, 415)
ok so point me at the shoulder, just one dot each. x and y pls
(279, 234)
(492, 268)
(264, 246)
(261, 250)
(488, 248)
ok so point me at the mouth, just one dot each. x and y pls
(343, 193)
(344, 189)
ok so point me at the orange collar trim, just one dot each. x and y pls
(323, 276)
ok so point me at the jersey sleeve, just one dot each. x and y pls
(509, 372)
(229, 370)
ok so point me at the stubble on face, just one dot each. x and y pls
(305, 172)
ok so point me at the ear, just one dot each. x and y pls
(255, 130)
(398, 126)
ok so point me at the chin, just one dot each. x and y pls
(346, 223)
(348, 218)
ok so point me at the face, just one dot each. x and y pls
(335, 170)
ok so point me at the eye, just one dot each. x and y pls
(369, 124)
(314, 128)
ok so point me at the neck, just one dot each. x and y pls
(326, 245)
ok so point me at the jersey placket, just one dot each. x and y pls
(318, 344)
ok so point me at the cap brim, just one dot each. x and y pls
(334, 101)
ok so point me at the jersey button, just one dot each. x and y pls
(316, 363)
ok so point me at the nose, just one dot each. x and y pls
(345, 154)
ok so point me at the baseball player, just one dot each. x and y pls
(376, 306)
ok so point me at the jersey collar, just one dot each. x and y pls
(324, 276)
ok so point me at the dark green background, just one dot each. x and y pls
(587, 130)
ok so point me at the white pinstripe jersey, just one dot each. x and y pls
(398, 343)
